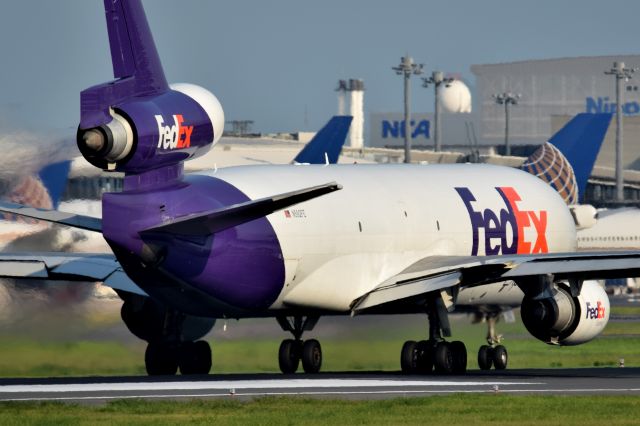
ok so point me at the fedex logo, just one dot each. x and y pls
(504, 231)
(175, 136)
(594, 312)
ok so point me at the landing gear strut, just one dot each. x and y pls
(493, 354)
(434, 354)
(292, 351)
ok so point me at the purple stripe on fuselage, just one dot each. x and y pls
(242, 266)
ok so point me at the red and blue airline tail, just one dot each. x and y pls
(43, 190)
(566, 161)
(326, 145)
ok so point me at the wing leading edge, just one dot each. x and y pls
(441, 272)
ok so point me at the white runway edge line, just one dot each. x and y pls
(242, 384)
(328, 393)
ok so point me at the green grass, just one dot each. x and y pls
(37, 358)
(626, 310)
(350, 349)
(450, 410)
(22, 357)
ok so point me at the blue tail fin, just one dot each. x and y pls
(54, 178)
(329, 140)
(567, 160)
(580, 141)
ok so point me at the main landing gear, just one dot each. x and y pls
(292, 351)
(172, 337)
(493, 354)
(434, 354)
(162, 358)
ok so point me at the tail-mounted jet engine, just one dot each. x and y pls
(143, 134)
(563, 319)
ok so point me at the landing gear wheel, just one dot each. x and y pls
(459, 355)
(443, 358)
(409, 357)
(485, 357)
(195, 358)
(500, 357)
(161, 359)
(289, 356)
(425, 356)
(311, 356)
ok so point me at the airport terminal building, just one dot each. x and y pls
(551, 92)
(551, 87)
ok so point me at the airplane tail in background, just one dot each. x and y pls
(326, 145)
(566, 161)
(42, 191)
(54, 177)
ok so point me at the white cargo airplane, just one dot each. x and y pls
(335, 240)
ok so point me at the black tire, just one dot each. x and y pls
(195, 358)
(311, 356)
(485, 357)
(443, 358)
(409, 357)
(425, 356)
(500, 357)
(289, 356)
(161, 359)
(459, 353)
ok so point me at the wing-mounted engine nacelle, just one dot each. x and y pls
(145, 133)
(584, 215)
(566, 320)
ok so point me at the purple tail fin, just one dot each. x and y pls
(133, 51)
(136, 64)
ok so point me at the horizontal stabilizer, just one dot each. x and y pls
(210, 222)
(64, 267)
(70, 219)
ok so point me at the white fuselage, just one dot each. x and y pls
(615, 229)
(340, 246)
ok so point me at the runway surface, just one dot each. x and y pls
(592, 381)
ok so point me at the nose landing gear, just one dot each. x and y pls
(493, 354)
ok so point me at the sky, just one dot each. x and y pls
(277, 62)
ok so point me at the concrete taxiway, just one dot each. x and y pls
(592, 381)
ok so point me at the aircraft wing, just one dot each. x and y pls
(70, 267)
(440, 272)
(55, 216)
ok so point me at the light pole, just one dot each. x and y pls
(406, 68)
(506, 99)
(437, 79)
(620, 73)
